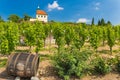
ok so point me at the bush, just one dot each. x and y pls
(3, 62)
(118, 64)
(101, 66)
(71, 63)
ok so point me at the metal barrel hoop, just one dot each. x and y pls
(36, 64)
(25, 68)
(14, 66)
(9, 61)
(32, 68)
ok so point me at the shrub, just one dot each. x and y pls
(101, 66)
(118, 64)
(3, 62)
(71, 63)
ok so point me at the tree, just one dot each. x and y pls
(110, 38)
(104, 35)
(33, 34)
(39, 35)
(92, 21)
(14, 18)
(80, 37)
(102, 22)
(118, 34)
(26, 17)
(12, 35)
(30, 35)
(58, 33)
(69, 34)
(3, 40)
(109, 23)
(1, 20)
(47, 32)
(99, 22)
(95, 38)
(9, 37)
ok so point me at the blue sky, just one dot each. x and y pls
(65, 10)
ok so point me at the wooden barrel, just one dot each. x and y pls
(23, 64)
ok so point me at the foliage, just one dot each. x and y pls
(71, 62)
(101, 66)
(110, 38)
(39, 35)
(58, 33)
(14, 18)
(104, 35)
(69, 34)
(26, 17)
(102, 22)
(64, 34)
(30, 35)
(117, 33)
(9, 37)
(3, 62)
(109, 23)
(34, 34)
(92, 21)
(117, 63)
(80, 37)
(95, 37)
(1, 20)
(47, 32)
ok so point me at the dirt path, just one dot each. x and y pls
(46, 72)
(4, 75)
(110, 76)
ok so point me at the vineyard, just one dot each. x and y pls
(73, 50)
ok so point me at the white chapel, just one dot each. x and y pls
(40, 16)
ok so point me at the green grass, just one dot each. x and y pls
(116, 51)
(104, 51)
(44, 57)
(21, 51)
(3, 62)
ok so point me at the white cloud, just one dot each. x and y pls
(97, 8)
(83, 20)
(60, 8)
(97, 5)
(54, 5)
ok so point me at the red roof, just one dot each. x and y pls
(41, 12)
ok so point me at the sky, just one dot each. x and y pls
(64, 10)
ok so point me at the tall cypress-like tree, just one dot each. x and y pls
(102, 22)
(92, 21)
(109, 23)
(99, 23)
(1, 20)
